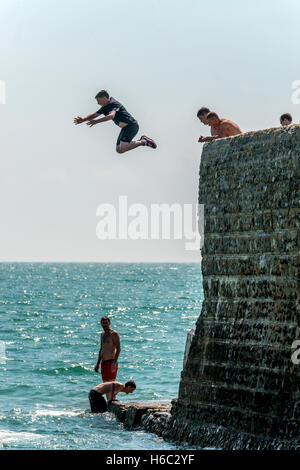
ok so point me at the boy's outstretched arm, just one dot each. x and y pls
(79, 120)
(93, 121)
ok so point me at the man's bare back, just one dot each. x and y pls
(220, 128)
(109, 390)
(225, 128)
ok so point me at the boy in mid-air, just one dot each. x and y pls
(113, 110)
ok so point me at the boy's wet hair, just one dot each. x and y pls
(130, 383)
(286, 116)
(101, 94)
(203, 111)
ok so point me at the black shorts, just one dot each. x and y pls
(97, 402)
(128, 133)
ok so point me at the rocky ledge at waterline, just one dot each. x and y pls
(132, 413)
(158, 418)
(172, 428)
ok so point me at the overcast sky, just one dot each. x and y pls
(163, 60)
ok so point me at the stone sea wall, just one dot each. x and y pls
(239, 388)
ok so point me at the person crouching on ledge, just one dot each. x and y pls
(110, 389)
(220, 128)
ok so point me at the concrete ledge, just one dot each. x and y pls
(211, 436)
(156, 417)
(132, 413)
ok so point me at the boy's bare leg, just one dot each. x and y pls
(126, 146)
(145, 141)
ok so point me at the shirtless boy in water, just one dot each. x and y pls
(110, 389)
(109, 351)
(220, 128)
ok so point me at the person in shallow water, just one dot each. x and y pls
(110, 389)
(113, 110)
(109, 351)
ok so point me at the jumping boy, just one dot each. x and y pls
(113, 110)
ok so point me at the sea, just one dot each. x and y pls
(49, 342)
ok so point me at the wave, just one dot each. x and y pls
(71, 370)
(45, 412)
(7, 437)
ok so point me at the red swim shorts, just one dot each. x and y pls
(107, 372)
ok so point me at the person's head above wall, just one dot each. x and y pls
(286, 119)
(202, 113)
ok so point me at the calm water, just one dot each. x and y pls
(49, 322)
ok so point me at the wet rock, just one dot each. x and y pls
(132, 413)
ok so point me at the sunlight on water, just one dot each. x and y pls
(49, 323)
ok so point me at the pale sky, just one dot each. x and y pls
(163, 60)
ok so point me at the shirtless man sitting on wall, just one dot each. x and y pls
(220, 128)
(109, 352)
(110, 389)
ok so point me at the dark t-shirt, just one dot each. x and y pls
(121, 116)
